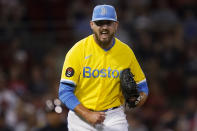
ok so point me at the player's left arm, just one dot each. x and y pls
(140, 79)
(143, 89)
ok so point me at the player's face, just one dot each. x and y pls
(104, 31)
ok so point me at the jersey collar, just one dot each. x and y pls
(111, 45)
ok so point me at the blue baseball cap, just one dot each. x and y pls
(104, 12)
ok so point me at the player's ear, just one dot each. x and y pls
(116, 25)
(91, 24)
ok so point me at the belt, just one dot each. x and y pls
(106, 109)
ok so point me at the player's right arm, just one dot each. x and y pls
(90, 116)
(66, 95)
(70, 74)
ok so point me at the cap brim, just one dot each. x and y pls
(98, 19)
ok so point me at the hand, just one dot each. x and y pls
(90, 116)
(95, 117)
(139, 101)
(135, 100)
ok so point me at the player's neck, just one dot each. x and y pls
(103, 45)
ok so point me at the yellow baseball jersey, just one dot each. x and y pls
(95, 72)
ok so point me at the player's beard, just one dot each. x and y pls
(104, 42)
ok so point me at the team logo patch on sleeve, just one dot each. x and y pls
(69, 72)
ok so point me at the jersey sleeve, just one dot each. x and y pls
(72, 66)
(136, 69)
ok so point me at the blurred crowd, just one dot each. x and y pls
(36, 35)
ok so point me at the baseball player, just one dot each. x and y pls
(90, 83)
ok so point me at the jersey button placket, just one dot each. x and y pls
(103, 79)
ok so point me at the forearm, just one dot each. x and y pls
(81, 110)
(90, 116)
(143, 91)
(143, 98)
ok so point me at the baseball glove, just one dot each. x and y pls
(129, 88)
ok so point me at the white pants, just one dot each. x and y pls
(115, 120)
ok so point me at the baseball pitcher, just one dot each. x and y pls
(93, 85)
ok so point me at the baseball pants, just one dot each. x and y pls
(115, 120)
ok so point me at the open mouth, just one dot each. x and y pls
(104, 34)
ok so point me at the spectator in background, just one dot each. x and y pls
(3, 125)
(190, 25)
(135, 122)
(163, 18)
(81, 20)
(55, 114)
(17, 81)
(37, 84)
(8, 103)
